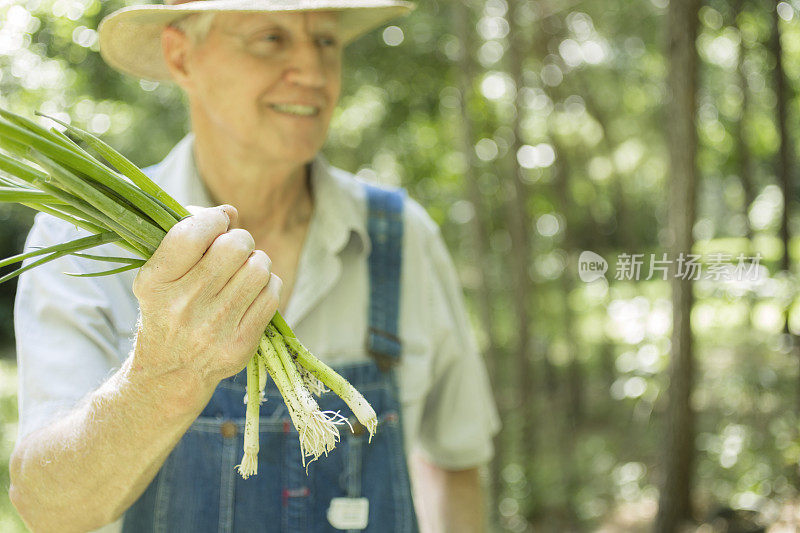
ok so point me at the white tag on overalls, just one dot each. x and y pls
(348, 513)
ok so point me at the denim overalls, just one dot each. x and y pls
(197, 489)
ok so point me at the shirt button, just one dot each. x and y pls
(228, 429)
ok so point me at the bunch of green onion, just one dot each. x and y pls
(117, 203)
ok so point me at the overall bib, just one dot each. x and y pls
(197, 489)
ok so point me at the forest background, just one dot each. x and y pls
(533, 131)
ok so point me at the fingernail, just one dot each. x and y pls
(230, 211)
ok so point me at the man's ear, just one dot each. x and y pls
(175, 47)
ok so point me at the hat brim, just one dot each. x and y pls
(130, 38)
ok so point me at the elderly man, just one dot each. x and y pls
(144, 434)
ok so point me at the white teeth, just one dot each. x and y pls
(296, 109)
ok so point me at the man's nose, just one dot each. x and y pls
(309, 66)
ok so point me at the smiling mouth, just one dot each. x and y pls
(296, 109)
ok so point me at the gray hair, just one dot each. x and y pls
(196, 26)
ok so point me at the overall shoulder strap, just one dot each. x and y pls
(385, 228)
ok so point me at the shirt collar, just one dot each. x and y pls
(339, 199)
(340, 206)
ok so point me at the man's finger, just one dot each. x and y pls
(187, 241)
(263, 308)
(222, 260)
(247, 282)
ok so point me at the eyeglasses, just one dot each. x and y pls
(274, 41)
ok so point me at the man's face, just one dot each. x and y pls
(269, 82)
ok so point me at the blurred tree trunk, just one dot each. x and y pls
(518, 221)
(571, 425)
(464, 28)
(674, 500)
(782, 163)
(743, 149)
(622, 214)
(575, 399)
(549, 377)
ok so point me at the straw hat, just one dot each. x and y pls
(130, 38)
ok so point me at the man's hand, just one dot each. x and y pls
(205, 297)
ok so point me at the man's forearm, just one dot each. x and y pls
(447, 500)
(86, 469)
(463, 501)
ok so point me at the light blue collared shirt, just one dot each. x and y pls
(73, 333)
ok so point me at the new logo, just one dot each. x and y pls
(591, 266)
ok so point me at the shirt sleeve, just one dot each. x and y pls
(459, 417)
(66, 341)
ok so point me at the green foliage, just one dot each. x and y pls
(592, 123)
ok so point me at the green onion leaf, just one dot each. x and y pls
(126, 167)
(105, 272)
(111, 259)
(77, 245)
(22, 195)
